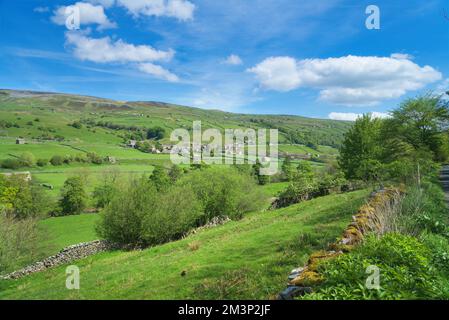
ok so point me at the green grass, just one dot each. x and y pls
(247, 259)
(61, 232)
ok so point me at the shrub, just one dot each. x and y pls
(223, 192)
(57, 160)
(73, 197)
(12, 164)
(160, 179)
(103, 195)
(42, 162)
(94, 158)
(175, 213)
(122, 220)
(139, 216)
(19, 241)
(28, 159)
(22, 199)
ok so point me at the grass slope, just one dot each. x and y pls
(247, 259)
(62, 232)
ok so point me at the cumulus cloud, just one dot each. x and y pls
(89, 14)
(233, 60)
(104, 50)
(181, 9)
(349, 80)
(158, 72)
(348, 116)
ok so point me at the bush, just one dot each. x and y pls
(12, 164)
(19, 241)
(94, 158)
(21, 199)
(73, 197)
(57, 160)
(223, 192)
(139, 216)
(42, 162)
(175, 213)
(122, 220)
(103, 195)
(28, 159)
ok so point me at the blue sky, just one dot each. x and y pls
(314, 58)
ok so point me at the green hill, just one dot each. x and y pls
(247, 259)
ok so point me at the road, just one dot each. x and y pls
(444, 177)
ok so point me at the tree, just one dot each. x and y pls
(28, 159)
(57, 160)
(288, 170)
(261, 179)
(420, 124)
(160, 179)
(157, 133)
(175, 173)
(73, 196)
(361, 144)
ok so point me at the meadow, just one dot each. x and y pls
(247, 259)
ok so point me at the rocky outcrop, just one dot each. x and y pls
(370, 218)
(67, 255)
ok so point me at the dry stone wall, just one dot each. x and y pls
(67, 255)
(368, 219)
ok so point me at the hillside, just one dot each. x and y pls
(247, 259)
(55, 111)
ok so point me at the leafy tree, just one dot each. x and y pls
(103, 195)
(57, 160)
(157, 133)
(160, 179)
(288, 170)
(73, 196)
(261, 179)
(175, 173)
(12, 164)
(28, 159)
(361, 144)
(42, 162)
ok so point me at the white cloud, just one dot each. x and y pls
(278, 73)
(349, 80)
(89, 14)
(104, 50)
(401, 56)
(158, 72)
(233, 60)
(181, 9)
(104, 3)
(354, 116)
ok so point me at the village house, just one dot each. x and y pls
(132, 144)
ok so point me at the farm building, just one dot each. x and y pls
(26, 175)
(20, 141)
(132, 144)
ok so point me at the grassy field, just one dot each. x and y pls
(247, 259)
(62, 232)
